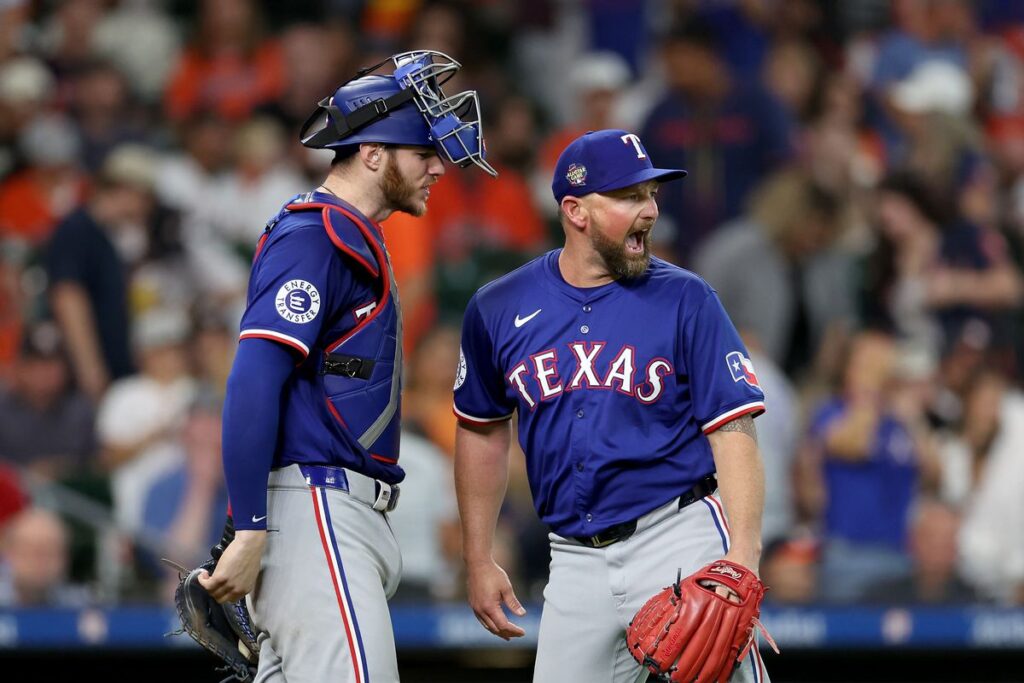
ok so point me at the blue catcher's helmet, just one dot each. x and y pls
(405, 108)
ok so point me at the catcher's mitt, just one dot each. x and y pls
(223, 629)
(688, 633)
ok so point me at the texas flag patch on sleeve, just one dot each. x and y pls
(741, 368)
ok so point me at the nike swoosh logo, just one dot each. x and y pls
(522, 321)
(257, 520)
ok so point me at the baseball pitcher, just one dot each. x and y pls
(635, 399)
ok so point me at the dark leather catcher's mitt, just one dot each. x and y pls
(223, 629)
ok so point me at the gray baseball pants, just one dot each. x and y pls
(593, 593)
(320, 604)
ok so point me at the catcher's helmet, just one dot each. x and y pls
(405, 108)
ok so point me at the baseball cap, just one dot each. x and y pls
(935, 85)
(160, 327)
(25, 81)
(131, 164)
(602, 70)
(605, 160)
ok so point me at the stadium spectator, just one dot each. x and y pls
(188, 182)
(790, 566)
(106, 114)
(231, 66)
(792, 286)
(141, 416)
(937, 139)
(34, 561)
(865, 465)
(45, 426)
(793, 73)
(991, 552)
(933, 547)
(928, 275)
(248, 195)
(426, 400)
(26, 89)
(726, 133)
(316, 56)
(183, 506)
(49, 186)
(87, 263)
(148, 58)
(66, 38)
(212, 348)
(921, 32)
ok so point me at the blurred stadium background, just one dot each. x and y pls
(856, 195)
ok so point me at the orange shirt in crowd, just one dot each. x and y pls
(553, 146)
(389, 19)
(468, 208)
(411, 248)
(32, 203)
(230, 84)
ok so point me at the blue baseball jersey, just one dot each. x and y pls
(616, 386)
(308, 291)
(868, 501)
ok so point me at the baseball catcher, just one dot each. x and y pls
(701, 627)
(223, 629)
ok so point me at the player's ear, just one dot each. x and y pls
(575, 212)
(372, 155)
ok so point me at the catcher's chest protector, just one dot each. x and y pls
(360, 370)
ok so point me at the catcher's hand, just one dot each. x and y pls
(691, 633)
(223, 629)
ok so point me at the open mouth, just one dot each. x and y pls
(635, 241)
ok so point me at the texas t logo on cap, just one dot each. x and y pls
(605, 160)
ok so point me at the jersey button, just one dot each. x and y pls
(585, 328)
(587, 308)
(579, 467)
(590, 517)
(579, 413)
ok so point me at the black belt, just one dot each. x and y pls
(619, 532)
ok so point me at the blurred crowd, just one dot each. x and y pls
(855, 194)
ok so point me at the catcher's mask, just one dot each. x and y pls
(375, 108)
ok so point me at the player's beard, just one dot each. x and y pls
(399, 193)
(616, 259)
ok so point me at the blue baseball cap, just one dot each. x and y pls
(605, 160)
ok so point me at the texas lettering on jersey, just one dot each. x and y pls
(614, 388)
(544, 375)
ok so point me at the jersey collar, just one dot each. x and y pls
(581, 294)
